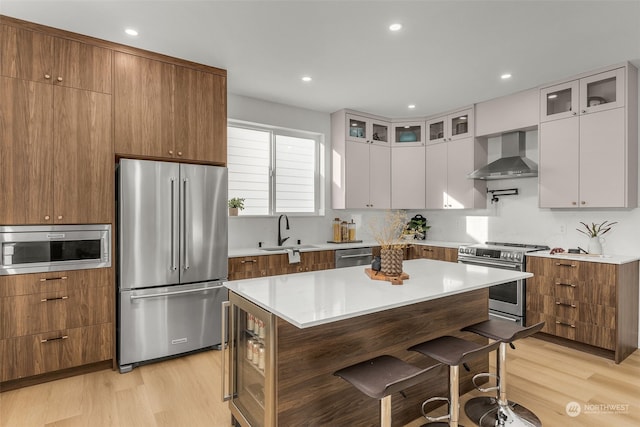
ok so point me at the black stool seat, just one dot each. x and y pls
(500, 330)
(453, 351)
(382, 376)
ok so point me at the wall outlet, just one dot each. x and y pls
(563, 229)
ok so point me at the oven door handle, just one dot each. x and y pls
(480, 262)
(511, 319)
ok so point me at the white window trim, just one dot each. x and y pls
(319, 173)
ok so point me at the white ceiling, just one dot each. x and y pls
(449, 53)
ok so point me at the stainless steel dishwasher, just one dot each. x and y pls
(351, 257)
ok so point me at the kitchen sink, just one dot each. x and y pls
(282, 248)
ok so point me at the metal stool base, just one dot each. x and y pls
(483, 412)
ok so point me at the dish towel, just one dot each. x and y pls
(294, 255)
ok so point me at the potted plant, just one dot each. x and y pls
(595, 232)
(417, 228)
(235, 204)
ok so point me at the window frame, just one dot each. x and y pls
(318, 174)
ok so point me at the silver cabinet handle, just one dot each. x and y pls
(565, 324)
(559, 264)
(63, 337)
(169, 294)
(174, 263)
(185, 251)
(565, 284)
(54, 278)
(244, 261)
(355, 256)
(564, 304)
(225, 396)
(53, 299)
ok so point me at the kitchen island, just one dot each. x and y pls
(312, 324)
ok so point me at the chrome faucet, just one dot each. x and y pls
(280, 239)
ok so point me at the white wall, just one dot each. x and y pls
(513, 218)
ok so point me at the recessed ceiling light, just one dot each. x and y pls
(553, 96)
(306, 79)
(395, 27)
(505, 76)
(411, 106)
(131, 32)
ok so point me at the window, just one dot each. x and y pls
(275, 170)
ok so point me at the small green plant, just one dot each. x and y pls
(236, 202)
(595, 230)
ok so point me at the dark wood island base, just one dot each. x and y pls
(307, 393)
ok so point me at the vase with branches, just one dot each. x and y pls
(595, 233)
(387, 232)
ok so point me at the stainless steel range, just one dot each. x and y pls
(506, 301)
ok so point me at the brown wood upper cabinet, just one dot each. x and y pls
(39, 57)
(169, 111)
(56, 154)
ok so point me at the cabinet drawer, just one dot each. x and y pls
(52, 351)
(588, 291)
(571, 310)
(50, 311)
(247, 267)
(60, 281)
(598, 336)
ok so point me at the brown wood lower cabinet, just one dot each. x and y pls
(56, 320)
(587, 302)
(433, 252)
(276, 264)
(51, 351)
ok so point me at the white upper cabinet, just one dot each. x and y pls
(408, 134)
(450, 127)
(447, 166)
(599, 92)
(508, 113)
(589, 142)
(407, 177)
(367, 129)
(360, 162)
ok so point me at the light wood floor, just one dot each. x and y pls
(544, 377)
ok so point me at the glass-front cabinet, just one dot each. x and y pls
(450, 127)
(598, 92)
(408, 134)
(251, 363)
(367, 130)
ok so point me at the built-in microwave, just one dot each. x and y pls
(40, 248)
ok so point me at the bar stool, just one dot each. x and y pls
(382, 376)
(499, 411)
(451, 351)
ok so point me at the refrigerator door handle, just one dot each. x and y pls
(225, 396)
(165, 294)
(174, 264)
(185, 249)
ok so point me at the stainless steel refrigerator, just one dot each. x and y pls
(172, 258)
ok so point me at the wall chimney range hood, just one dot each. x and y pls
(513, 162)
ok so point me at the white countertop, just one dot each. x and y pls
(333, 246)
(606, 259)
(320, 297)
